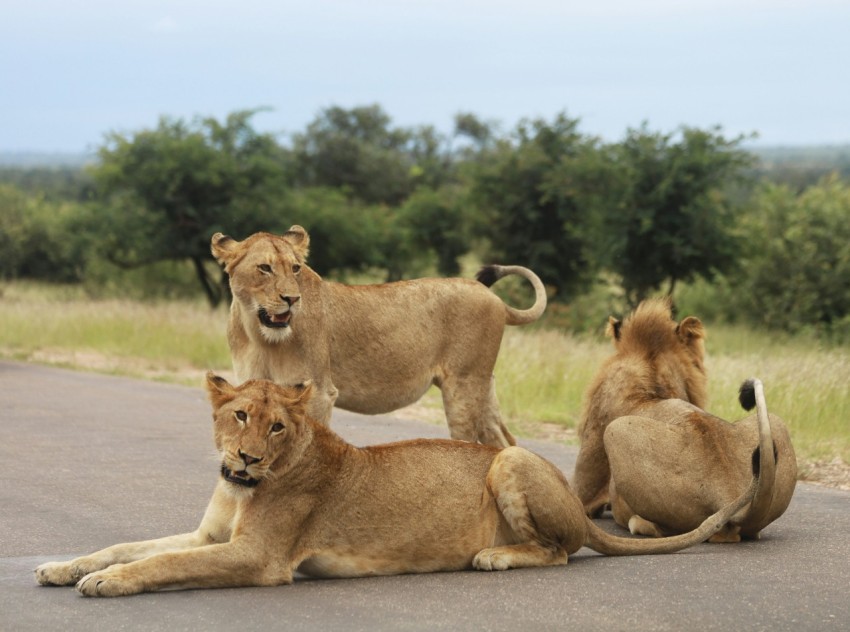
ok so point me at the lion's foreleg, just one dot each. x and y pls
(230, 564)
(67, 573)
(215, 526)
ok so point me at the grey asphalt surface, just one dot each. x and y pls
(92, 460)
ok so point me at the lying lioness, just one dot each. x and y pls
(675, 464)
(295, 496)
(369, 348)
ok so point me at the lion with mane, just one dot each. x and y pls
(651, 451)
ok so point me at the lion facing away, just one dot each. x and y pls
(673, 464)
(292, 495)
(373, 348)
(656, 359)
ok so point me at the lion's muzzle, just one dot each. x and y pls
(240, 477)
(279, 320)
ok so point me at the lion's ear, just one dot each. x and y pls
(297, 398)
(298, 238)
(306, 392)
(219, 390)
(690, 329)
(223, 248)
(613, 327)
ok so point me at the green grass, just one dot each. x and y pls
(541, 375)
(159, 339)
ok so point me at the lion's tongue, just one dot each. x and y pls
(281, 318)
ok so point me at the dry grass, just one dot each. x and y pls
(542, 375)
(164, 340)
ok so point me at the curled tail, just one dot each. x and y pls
(751, 396)
(488, 275)
(603, 542)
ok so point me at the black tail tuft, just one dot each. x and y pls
(747, 394)
(488, 275)
(756, 462)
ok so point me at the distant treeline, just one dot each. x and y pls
(765, 236)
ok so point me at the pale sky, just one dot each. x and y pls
(70, 72)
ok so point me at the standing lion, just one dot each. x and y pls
(374, 348)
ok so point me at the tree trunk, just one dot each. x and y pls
(212, 290)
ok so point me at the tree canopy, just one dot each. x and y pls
(167, 190)
(673, 219)
(645, 214)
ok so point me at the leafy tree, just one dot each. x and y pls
(355, 150)
(538, 192)
(52, 183)
(167, 190)
(41, 239)
(345, 235)
(797, 258)
(438, 221)
(673, 220)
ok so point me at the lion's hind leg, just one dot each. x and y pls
(472, 411)
(534, 499)
(501, 558)
(729, 534)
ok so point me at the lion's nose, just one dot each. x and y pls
(248, 459)
(290, 300)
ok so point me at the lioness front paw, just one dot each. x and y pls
(108, 583)
(61, 573)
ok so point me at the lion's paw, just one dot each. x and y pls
(108, 583)
(727, 535)
(60, 573)
(490, 560)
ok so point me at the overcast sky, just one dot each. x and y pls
(72, 71)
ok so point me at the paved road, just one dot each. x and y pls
(91, 460)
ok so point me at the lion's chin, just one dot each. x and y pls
(238, 478)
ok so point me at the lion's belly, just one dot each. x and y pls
(444, 541)
(379, 397)
(338, 563)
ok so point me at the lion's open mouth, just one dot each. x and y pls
(274, 320)
(240, 478)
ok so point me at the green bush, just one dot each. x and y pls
(796, 272)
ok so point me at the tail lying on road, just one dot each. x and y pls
(489, 274)
(603, 542)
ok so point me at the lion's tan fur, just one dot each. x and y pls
(655, 359)
(325, 508)
(649, 448)
(673, 464)
(374, 348)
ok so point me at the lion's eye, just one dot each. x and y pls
(296, 268)
(277, 427)
(264, 267)
(241, 415)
